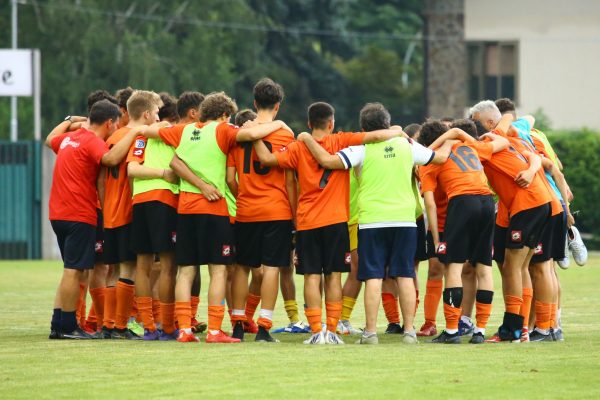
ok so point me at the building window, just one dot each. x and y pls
(492, 70)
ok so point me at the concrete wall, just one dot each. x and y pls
(558, 53)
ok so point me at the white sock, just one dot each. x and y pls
(479, 330)
(267, 314)
(366, 333)
(238, 312)
(451, 331)
(542, 331)
(465, 319)
(214, 331)
(188, 330)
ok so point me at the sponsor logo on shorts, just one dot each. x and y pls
(442, 248)
(347, 258)
(516, 236)
(174, 237)
(284, 148)
(68, 142)
(99, 246)
(226, 252)
(539, 249)
(138, 152)
(140, 144)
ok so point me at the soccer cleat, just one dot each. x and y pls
(164, 336)
(264, 336)
(448, 338)
(428, 329)
(564, 263)
(151, 335)
(185, 337)
(126, 334)
(77, 334)
(345, 328)
(539, 336)
(368, 339)
(394, 328)
(577, 246)
(250, 327)
(294, 327)
(54, 334)
(410, 338)
(89, 328)
(494, 339)
(135, 327)
(220, 337)
(105, 333)
(316, 338)
(238, 331)
(477, 338)
(465, 327)
(332, 338)
(198, 327)
(525, 335)
(557, 334)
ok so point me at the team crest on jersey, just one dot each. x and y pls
(516, 236)
(140, 144)
(99, 246)
(174, 237)
(68, 142)
(347, 259)
(539, 249)
(442, 248)
(138, 152)
(226, 251)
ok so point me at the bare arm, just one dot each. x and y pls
(530, 119)
(264, 155)
(498, 142)
(151, 131)
(291, 188)
(452, 134)
(139, 171)
(505, 123)
(255, 132)
(119, 151)
(232, 182)
(184, 172)
(382, 135)
(562, 186)
(64, 127)
(326, 160)
(442, 154)
(525, 177)
(431, 210)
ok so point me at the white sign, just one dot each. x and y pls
(16, 72)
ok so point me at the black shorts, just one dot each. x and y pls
(323, 250)
(431, 246)
(386, 253)
(153, 228)
(117, 245)
(421, 253)
(204, 239)
(545, 249)
(526, 227)
(263, 243)
(76, 241)
(499, 244)
(560, 237)
(469, 230)
(99, 246)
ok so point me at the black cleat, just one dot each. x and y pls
(54, 334)
(105, 333)
(238, 331)
(557, 334)
(124, 334)
(448, 338)
(477, 338)
(537, 336)
(263, 335)
(394, 328)
(77, 334)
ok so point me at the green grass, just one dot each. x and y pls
(31, 366)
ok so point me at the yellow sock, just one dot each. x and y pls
(291, 308)
(347, 307)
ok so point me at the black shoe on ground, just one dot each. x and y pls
(394, 328)
(105, 333)
(477, 338)
(449, 338)
(557, 334)
(54, 334)
(238, 331)
(537, 336)
(77, 334)
(263, 335)
(123, 334)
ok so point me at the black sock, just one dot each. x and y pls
(127, 281)
(68, 321)
(484, 296)
(453, 296)
(55, 323)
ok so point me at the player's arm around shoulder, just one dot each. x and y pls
(326, 160)
(252, 130)
(264, 154)
(384, 134)
(498, 142)
(65, 126)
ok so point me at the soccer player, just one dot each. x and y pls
(322, 217)
(387, 224)
(155, 190)
(73, 199)
(122, 95)
(469, 224)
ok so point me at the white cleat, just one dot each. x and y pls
(333, 338)
(345, 328)
(317, 338)
(577, 247)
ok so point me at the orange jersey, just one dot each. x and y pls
(502, 169)
(429, 184)
(502, 217)
(324, 194)
(262, 194)
(117, 191)
(463, 173)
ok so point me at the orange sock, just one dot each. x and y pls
(124, 294)
(265, 323)
(333, 311)
(526, 306)
(215, 317)
(252, 302)
(543, 315)
(553, 314)
(167, 317)
(195, 301)
(417, 301)
(482, 314)
(110, 307)
(313, 316)
(91, 319)
(80, 313)
(156, 310)
(144, 305)
(452, 315)
(97, 303)
(134, 310)
(391, 308)
(183, 311)
(512, 304)
(433, 295)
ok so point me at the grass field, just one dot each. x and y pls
(34, 367)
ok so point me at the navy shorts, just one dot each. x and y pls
(386, 253)
(76, 241)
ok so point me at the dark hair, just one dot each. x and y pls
(267, 93)
(412, 129)
(430, 131)
(319, 114)
(243, 116)
(102, 111)
(505, 105)
(215, 105)
(188, 101)
(374, 116)
(447, 119)
(122, 95)
(466, 125)
(98, 95)
(480, 129)
(168, 111)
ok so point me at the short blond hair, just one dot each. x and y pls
(215, 105)
(141, 101)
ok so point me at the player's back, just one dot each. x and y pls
(117, 209)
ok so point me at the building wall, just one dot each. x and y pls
(559, 53)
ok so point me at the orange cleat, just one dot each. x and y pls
(428, 329)
(186, 337)
(250, 327)
(220, 337)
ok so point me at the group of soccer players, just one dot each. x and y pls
(147, 188)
